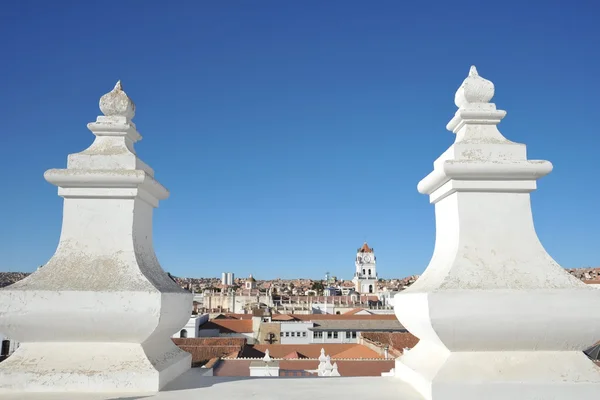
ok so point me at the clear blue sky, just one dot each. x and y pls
(289, 132)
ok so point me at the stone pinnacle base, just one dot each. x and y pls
(500, 375)
(92, 367)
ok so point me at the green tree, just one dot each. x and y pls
(318, 286)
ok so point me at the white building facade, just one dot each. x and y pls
(192, 328)
(296, 332)
(365, 277)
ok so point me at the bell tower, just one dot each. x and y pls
(365, 277)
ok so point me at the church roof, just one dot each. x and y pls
(294, 355)
(250, 279)
(365, 249)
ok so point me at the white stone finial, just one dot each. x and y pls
(116, 103)
(322, 357)
(267, 357)
(474, 90)
(334, 370)
(100, 314)
(327, 367)
(484, 306)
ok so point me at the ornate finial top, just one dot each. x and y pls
(474, 89)
(322, 357)
(267, 357)
(116, 103)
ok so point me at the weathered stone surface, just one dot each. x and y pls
(99, 315)
(496, 316)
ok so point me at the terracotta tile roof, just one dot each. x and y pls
(343, 299)
(204, 349)
(212, 362)
(354, 311)
(358, 351)
(396, 340)
(593, 282)
(342, 317)
(294, 355)
(365, 248)
(229, 325)
(233, 316)
(335, 350)
(358, 325)
(210, 341)
(283, 317)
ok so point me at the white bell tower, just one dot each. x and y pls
(365, 277)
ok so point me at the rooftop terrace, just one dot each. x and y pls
(496, 316)
(192, 385)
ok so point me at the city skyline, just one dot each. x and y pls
(284, 153)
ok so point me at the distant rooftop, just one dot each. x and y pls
(362, 325)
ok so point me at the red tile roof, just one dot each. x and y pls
(229, 325)
(344, 317)
(365, 249)
(396, 340)
(294, 355)
(283, 317)
(204, 349)
(233, 316)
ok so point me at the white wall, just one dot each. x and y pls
(323, 308)
(249, 336)
(341, 337)
(193, 326)
(299, 330)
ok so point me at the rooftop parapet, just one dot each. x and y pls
(496, 316)
(99, 315)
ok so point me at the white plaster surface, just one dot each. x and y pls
(193, 386)
(99, 315)
(498, 318)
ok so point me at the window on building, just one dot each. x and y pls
(280, 334)
(335, 335)
(318, 335)
(303, 334)
(329, 335)
(369, 272)
(354, 335)
(293, 334)
(287, 334)
(183, 333)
